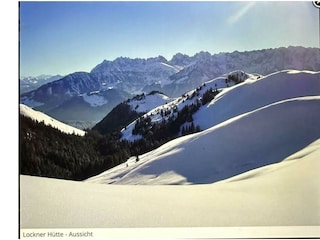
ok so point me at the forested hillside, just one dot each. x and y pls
(46, 151)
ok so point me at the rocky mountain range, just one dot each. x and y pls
(88, 97)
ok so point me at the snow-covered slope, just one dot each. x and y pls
(39, 117)
(254, 92)
(282, 194)
(264, 136)
(258, 92)
(162, 112)
(127, 111)
(145, 103)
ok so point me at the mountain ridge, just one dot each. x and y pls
(28, 84)
(174, 77)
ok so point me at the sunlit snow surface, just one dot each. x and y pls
(149, 102)
(257, 166)
(283, 194)
(39, 116)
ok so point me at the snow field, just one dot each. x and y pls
(39, 116)
(149, 102)
(282, 194)
(253, 94)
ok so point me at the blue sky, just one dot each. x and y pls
(65, 37)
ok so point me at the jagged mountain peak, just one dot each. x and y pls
(202, 55)
(124, 63)
(174, 77)
(159, 58)
(181, 60)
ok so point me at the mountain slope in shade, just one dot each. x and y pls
(264, 136)
(27, 84)
(88, 107)
(127, 111)
(133, 75)
(39, 116)
(282, 194)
